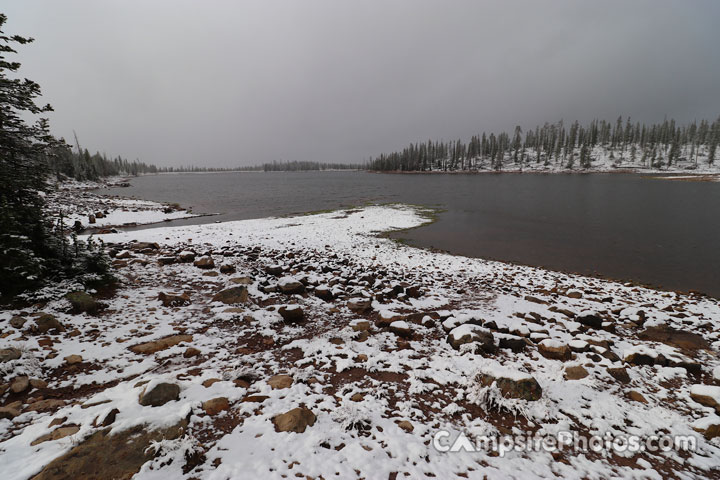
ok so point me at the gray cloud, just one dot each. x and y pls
(227, 83)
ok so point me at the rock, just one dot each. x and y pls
(579, 346)
(160, 394)
(295, 420)
(145, 246)
(102, 455)
(554, 350)
(166, 260)
(636, 396)
(170, 300)
(709, 427)
(360, 325)
(161, 344)
(324, 292)
(8, 354)
(386, 317)
(242, 280)
(56, 434)
(512, 384)
(414, 291)
(37, 383)
(19, 384)
(574, 294)
(17, 322)
(275, 270)
(575, 372)
(44, 405)
(123, 254)
(216, 405)
(290, 286)
(110, 418)
(358, 397)
(46, 323)
(516, 344)
(640, 355)
(73, 359)
(361, 358)
(232, 295)
(227, 268)
(532, 299)
(291, 313)
(589, 319)
(359, 305)
(401, 328)
(405, 425)
(91, 218)
(186, 256)
(205, 262)
(469, 333)
(9, 413)
(191, 352)
(708, 395)
(82, 302)
(279, 382)
(620, 374)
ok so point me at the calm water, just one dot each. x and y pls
(658, 232)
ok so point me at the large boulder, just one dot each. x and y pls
(295, 420)
(232, 295)
(216, 405)
(708, 395)
(160, 394)
(469, 333)
(359, 305)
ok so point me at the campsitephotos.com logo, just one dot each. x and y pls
(447, 442)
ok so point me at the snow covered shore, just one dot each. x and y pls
(80, 206)
(313, 347)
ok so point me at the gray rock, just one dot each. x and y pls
(232, 295)
(11, 353)
(161, 394)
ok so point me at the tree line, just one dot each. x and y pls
(620, 143)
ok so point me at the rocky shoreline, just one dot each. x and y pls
(312, 346)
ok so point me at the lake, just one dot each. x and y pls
(621, 226)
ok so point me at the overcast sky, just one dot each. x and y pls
(223, 83)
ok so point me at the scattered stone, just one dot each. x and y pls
(358, 397)
(46, 323)
(575, 372)
(360, 325)
(295, 420)
(161, 344)
(186, 256)
(708, 395)
(19, 384)
(532, 299)
(359, 305)
(37, 383)
(554, 350)
(401, 328)
(160, 394)
(8, 354)
(242, 280)
(191, 352)
(56, 434)
(279, 382)
(170, 300)
(139, 246)
(227, 268)
(513, 384)
(620, 374)
(47, 404)
(574, 294)
(516, 344)
(166, 260)
(9, 413)
(407, 426)
(17, 322)
(73, 359)
(110, 418)
(590, 319)
(324, 292)
(216, 405)
(709, 427)
(255, 399)
(123, 254)
(386, 317)
(469, 333)
(636, 396)
(205, 262)
(361, 358)
(291, 313)
(210, 381)
(640, 355)
(232, 295)
(290, 286)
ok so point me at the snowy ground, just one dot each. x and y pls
(78, 203)
(608, 359)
